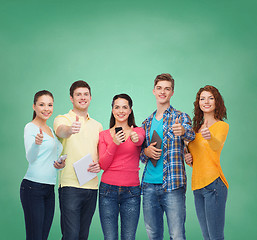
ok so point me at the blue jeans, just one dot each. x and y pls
(77, 207)
(115, 200)
(38, 205)
(210, 203)
(156, 201)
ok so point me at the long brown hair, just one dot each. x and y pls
(131, 118)
(39, 94)
(220, 112)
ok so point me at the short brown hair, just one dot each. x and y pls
(79, 84)
(164, 77)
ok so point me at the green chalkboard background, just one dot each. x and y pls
(120, 46)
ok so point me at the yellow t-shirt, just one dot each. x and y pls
(206, 156)
(77, 146)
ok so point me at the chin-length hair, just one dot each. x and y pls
(220, 112)
(131, 118)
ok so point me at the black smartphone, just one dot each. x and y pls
(117, 129)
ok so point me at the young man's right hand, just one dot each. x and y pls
(75, 127)
(152, 152)
(189, 159)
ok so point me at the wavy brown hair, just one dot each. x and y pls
(220, 109)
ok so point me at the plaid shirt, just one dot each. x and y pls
(174, 174)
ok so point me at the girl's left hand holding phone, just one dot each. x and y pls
(59, 165)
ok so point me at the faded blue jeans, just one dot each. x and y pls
(156, 201)
(210, 203)
(115, 200)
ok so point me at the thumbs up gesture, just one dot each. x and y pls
(75, 127)
(177, 128)
(39, 137)
(205, 130)
(133, 135)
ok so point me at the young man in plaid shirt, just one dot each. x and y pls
(164, 185)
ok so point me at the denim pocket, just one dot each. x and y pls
(221, 183)
(212, 186)
(135, 191)
(216, 184)
(27, 184)
(104, 189)
(145, 185)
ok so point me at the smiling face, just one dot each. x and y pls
(163, 92)
(207, 102)
(81, 99)
(121, 110)
(44, 107)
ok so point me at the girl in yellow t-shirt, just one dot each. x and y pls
(208, 181)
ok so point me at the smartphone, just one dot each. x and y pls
(117, 129)
(62, 158)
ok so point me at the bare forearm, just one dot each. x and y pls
(63, 131)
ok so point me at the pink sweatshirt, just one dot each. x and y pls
(120, 162)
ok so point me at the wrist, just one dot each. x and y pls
(70, 132)
(116, 142)
(183, 131)
(146, 151)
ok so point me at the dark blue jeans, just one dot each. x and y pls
(77, 207)
(210, 203)
(115, 200)
(38, 205)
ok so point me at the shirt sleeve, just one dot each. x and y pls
(100, 127)
(61, 120)
(106, 151)
(218, 137)
(143, 157)
(187, 124)
(31, 148)
(141, 135)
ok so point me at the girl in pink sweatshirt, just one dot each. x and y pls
(119, 191)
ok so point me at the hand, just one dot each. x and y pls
(75, 127)
(189, 159)
(133, 135)
(177, 128)
(59, 165)
(152, 152)
(119, 137)
(205, 131)
(94, 167)
(39, 137)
